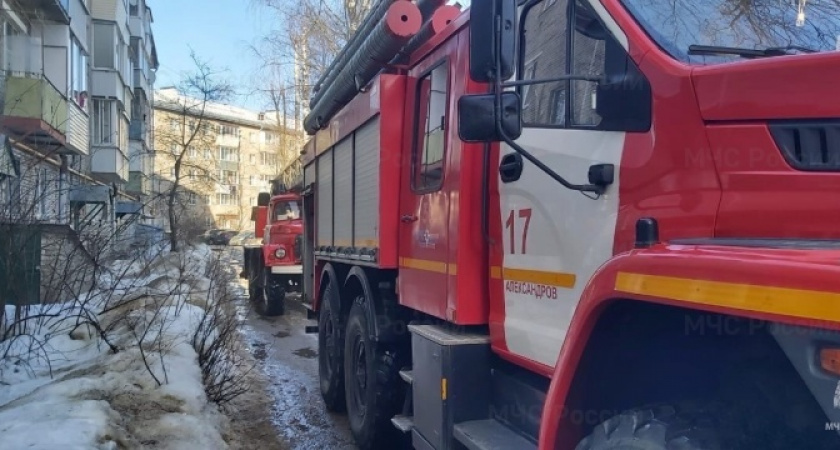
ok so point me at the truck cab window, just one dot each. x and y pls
(588, 58)
(430, 142)
(544, 56)
(552, 48)
(286, 211)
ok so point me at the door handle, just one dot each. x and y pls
(510, 168)
(408, 218)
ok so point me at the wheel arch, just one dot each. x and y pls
(611, 292)
(376, 287)
(329, 274)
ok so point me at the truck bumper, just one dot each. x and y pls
(287, 270)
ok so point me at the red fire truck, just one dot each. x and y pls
(274, 268)
(580, 224)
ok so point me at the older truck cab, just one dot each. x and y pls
(274, 268)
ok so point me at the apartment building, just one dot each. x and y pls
(143, 58)
(235, 155)
(63, 155)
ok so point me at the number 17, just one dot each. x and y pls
(511, 225)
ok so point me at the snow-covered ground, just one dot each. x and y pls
(63, 386)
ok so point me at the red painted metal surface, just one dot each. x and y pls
(794, 269)
(763, 196)
(392, 107)
(260, 222)
(468, 245)
(668, 172)
(784, 87)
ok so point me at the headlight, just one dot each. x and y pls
(280, 253)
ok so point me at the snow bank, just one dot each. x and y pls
(61, 385)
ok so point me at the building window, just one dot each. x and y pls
(173, 125)
(104, 112)
(228, 177)
(78, 73)
(430, 139)
(252, 158)
(268, 159)
(226, 199)
(228, 130)
(192, 153)
(105, 46)
(192, 199)
(228, 154)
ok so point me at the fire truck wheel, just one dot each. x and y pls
(272, 302)
(373, 387)
(331, 353)
(660, 427)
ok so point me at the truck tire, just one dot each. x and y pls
(331, 353)
(272, 302)
(373, 387)
(660, 427)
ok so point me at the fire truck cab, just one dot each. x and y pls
(581, 224)
(275, 268)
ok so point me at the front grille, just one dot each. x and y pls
(813, 146)
(298, 247)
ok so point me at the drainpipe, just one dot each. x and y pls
(63, 189)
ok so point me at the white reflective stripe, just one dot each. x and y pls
(287, 270)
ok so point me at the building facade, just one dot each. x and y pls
(230, 155)
(67, 90)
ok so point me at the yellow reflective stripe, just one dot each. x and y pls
(799, 303)
(559, 279)
(424, 264)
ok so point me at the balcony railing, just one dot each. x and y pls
(34, 108)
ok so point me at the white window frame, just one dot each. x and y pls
(104, 118)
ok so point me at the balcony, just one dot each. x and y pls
(78, 129)
(109, 164)
(141, 81)
(138, 183)
(137, 130)
(55, 10)
(35, 111)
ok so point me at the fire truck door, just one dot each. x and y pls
(552, 238)
(424, 202)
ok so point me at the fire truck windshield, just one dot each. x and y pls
(287, 210)
(724, 30)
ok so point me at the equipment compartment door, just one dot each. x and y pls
(424, 202)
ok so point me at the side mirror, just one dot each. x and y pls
(263, 198)
(483, 48)
(477, 117)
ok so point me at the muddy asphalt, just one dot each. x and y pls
(284, 381)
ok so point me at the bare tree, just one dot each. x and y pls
(187, 133)
(294, 56)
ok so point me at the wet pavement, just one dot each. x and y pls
(289, 358)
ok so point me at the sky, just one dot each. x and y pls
(219, 31)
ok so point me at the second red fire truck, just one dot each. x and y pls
(580, 224)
